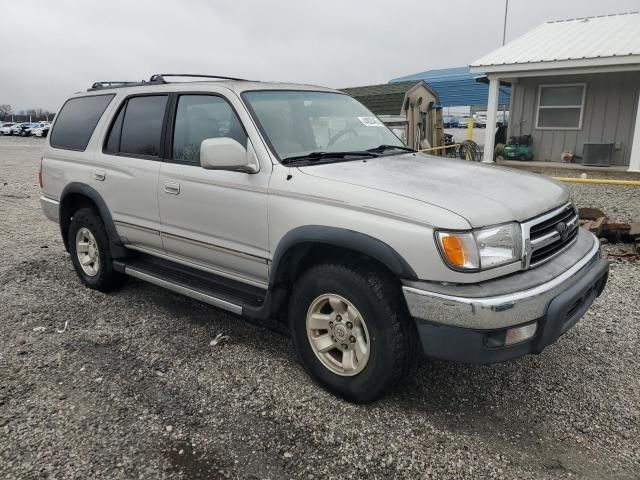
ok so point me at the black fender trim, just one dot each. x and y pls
(287, 255)
(340, 237)
(117, 248)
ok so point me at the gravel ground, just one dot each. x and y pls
(616, 201)
(133, 389)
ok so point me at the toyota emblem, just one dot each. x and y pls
(563, 229)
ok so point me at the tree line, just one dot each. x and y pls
(30, 115)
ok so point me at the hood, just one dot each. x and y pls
(482, 194)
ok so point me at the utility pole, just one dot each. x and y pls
(504, 28)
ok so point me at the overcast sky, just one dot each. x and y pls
(51, 49)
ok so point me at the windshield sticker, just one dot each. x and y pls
(370, 121)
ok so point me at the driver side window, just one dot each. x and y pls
(199, 117)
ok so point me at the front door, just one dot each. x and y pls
(212, 218)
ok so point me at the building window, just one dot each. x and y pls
(560, 106)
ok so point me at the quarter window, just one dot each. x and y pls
(77, 120)
(199, 117)
(560, 106)
(137, 130)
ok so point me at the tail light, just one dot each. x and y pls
(40, 175)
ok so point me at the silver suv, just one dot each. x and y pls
(269, 198)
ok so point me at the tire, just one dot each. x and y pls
(387, 328)
(87, 230)
(523, 157)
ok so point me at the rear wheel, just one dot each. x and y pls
(351, 331)
(90, 252)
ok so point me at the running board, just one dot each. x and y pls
(189, 292)
(231, 295)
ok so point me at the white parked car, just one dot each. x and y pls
(225, 192)
(41, 130)
(5, 129)
(18, 129)
(29, 129)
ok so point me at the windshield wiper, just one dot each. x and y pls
(384, 148)
(315, 156)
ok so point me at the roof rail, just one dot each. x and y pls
(156, 79)
(160, 77)
(116, 84)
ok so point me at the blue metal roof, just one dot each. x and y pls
(457, 87)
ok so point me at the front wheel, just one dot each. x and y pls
(351, 331)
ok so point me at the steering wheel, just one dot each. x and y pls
(340, 134)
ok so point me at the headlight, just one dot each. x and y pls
(481, 249)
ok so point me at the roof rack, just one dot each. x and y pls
(113, 84)
(156, 79)
(160, 77)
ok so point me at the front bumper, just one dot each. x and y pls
(472, 329)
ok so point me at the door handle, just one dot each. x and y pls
(99, 174)
(172, 188)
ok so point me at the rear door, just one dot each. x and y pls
(212, 218)
(126, 169)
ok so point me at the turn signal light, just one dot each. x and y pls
(454, 249)
(459, 249)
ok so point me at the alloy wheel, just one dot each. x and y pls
(87, 252)
(338, 335)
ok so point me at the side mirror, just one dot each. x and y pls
(227, 154)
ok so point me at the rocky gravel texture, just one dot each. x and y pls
(132, 387)
(618, 202)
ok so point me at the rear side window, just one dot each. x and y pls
(77, 120)
(137, 130)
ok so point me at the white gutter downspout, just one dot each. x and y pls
(492, 111)
(634, 161)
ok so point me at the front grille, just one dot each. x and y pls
(547, 237)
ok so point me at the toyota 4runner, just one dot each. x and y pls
(268, 198)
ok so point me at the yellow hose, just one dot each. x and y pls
(598, 181)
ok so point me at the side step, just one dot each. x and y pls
(215, 290)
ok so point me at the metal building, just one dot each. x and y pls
(456, 87)
(575, 87)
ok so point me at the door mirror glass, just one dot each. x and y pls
(225, 153)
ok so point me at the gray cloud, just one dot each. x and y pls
(56, 48)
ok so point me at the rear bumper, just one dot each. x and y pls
(473, 330)
(51, 208)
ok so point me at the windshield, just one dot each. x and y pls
(298, 123)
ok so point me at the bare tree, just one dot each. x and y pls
(5, 111)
